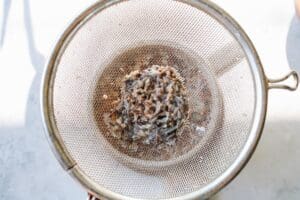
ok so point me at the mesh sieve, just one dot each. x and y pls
(110, 40)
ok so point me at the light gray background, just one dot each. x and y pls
(28, 169)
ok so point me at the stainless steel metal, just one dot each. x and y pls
(278, 83)
(91, 197)
(68, 153)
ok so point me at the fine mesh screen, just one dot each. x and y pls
(177, 27)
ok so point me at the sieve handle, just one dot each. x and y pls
(280, 82)
(91, 197)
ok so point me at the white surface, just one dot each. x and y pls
(28, 170)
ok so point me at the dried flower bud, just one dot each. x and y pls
(152, 106)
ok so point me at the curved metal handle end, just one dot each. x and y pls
(278, 83)
(91, 197)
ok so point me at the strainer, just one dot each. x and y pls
(221, 70)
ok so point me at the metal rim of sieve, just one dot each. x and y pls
(262, 84)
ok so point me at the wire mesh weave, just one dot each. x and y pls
(130, 25)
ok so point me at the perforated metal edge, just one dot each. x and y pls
(260, 82)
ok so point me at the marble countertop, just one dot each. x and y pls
(29, 170)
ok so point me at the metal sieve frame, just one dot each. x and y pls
(260, 81)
